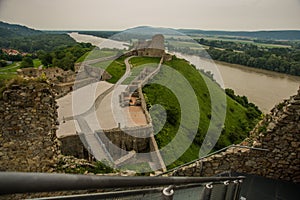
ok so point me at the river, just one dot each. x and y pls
(263, 88)
(98, 41)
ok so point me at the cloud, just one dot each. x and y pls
(116, 14)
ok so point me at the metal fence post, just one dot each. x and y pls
(225, 189)
(207, 191)
(237, 189)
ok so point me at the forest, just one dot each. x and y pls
(51, 48)
(283, 59)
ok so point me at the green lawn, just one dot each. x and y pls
(36, 63)
(117, 69)
(9, 71)
(138, 61)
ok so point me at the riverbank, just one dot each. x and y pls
(262, 87)
(257, 70)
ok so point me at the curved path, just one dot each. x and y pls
(87, 122)
(95, 145)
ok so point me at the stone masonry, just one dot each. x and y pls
(278, 133)
(27, 127)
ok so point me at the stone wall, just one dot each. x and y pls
(278, 133)
(54, 74)
(72, 145)
(67, 81)
(28, 123)
(27, 127)
(144, 106)
(123, 140)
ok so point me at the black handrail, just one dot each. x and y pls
(19, 182)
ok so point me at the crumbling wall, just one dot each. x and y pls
(71, 145)
(27, 128)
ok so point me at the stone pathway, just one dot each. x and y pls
(100, 113)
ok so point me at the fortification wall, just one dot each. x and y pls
(116, 140)
(72, 146)
(28, 123)
(27, 128)
(278, 132)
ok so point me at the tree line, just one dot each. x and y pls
(33, 43)
(283, 60)
(64, 57)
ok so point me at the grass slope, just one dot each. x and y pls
(237, 123)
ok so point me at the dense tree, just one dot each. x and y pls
(45, 58)
(274, 60)
(26, 62)
(253, 111)
(283, 60)
(64, 57)
(33, 43)
(2, 63)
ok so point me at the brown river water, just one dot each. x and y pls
(262, 87)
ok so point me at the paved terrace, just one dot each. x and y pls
(97, 107)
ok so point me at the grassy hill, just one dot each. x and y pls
(25, 39)
(239, 119)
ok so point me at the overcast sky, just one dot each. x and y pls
(123, 14)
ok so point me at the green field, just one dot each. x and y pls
(9, 71)
(138, 61)
(116, 69)
(36, 63)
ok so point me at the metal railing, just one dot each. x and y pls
(132, 187)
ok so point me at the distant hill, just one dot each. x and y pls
(13, 30)
(268, 35)
(262, 35)
(25, 39)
